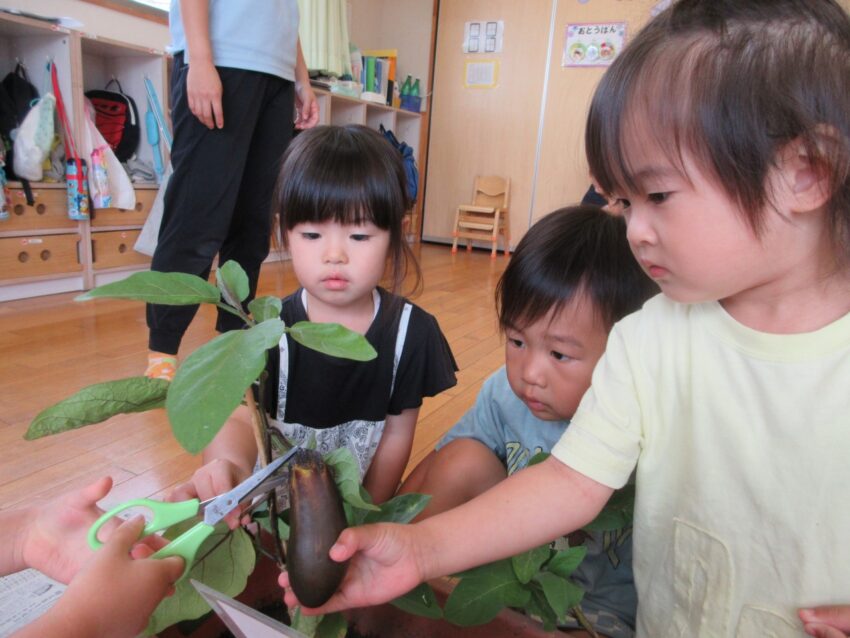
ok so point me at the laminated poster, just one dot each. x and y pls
(595, 44)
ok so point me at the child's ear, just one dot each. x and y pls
(804, 182)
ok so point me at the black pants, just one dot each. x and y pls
(218, 200)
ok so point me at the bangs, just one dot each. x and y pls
(727, 85)
(646, 110)
(331, 175)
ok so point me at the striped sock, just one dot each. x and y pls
(161, 366)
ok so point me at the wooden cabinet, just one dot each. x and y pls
(41, 250)
(49, 210)
(39, 255)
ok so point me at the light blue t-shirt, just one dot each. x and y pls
(255, 35)
(502, 422)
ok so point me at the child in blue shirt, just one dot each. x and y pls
(570, 279)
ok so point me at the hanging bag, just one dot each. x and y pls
(34, 137)
(76, 172)
(117, 119)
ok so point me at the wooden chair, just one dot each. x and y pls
(487, 216)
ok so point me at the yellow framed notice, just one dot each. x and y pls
(481, 74)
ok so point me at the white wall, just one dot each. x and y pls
(99, 21)
(395, 24)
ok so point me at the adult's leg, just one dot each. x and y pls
(249, 236)
(202, 192)
(454, 474)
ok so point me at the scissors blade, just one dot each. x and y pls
(222, 505)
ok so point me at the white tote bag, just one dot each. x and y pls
(149, 235)
(109, 183)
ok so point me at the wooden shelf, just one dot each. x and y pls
(42, 251)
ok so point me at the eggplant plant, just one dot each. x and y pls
(226, 371)
(208, 386)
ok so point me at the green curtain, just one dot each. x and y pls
(324, 36)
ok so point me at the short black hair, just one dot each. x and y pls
(731, 82)
(573, 250)
(349, 175)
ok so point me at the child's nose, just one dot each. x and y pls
(638, 228)
(335, 253)
(532, 371)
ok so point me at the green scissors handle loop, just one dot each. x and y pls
(186, 546)
(164, 516)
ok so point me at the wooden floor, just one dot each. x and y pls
(50, 347)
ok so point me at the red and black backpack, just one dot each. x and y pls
(117, 119)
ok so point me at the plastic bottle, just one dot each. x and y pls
(414, 90)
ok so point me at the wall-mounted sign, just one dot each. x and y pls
(483, 36)
(481, 74)
(593, 44)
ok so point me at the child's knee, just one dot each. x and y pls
(468, 466)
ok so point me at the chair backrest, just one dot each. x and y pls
(491, 190)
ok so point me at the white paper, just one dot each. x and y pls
(483, 36)
(241, 620)
(24, 596)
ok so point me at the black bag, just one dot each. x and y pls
(16, 98)
(409, 161)
(117, 119)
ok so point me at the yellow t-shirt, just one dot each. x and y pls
(742, 446)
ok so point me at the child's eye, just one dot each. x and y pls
(307, 235)
(360, 237)
(658, 198)
(621, 204)
(559, 356)
(516, 343)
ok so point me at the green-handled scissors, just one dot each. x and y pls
(213, 510)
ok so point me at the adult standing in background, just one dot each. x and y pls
(238, 83)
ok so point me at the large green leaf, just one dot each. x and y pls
(332, 626)
(402, 508)
(333, 339)
(264, 308)
(420, 601)
(346, 473)
(483, 592)
(527, 564)
(97, 403)
(166, 288)
(211, 382)
(226, 569)
(565, 561)
(233, 283)
(307, 625)
(560, 593)
(538, 607)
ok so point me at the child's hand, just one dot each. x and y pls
(831, 621)
(54, 541)
(216, 477)
(383, 567)
(113, 595)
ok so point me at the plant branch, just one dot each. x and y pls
(235, 311)
(584, 622)
(266, 430)
(263, 453)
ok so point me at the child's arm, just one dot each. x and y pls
(51, 536)
(827, 622)
(384, 474)
(528, 509)
(228, 460)
(113, 595)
